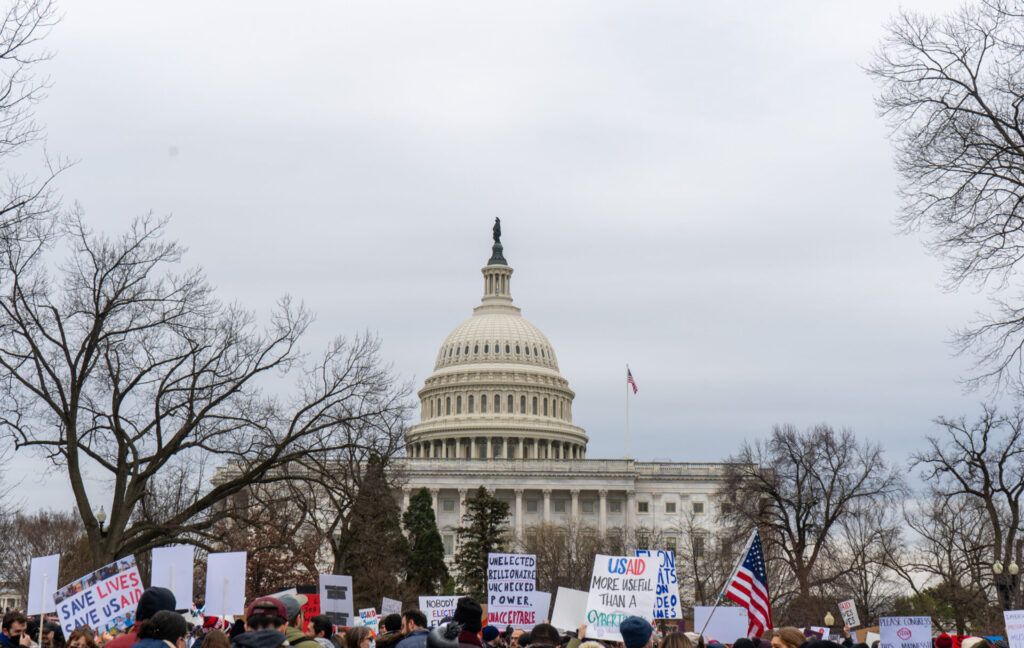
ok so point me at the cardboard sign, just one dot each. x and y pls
(725, 626)
(541, 605)
(438, 608)
(104, 600)
(1014, 620)
(666, 605)
(390, 606)
(905, 632)
(225, 584)
(42, 584)
(172, 568)
(511, 581)
(336, 599)
(849, 611)
(620, 586)
(570, 609)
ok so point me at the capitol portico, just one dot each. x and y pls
(497, 412)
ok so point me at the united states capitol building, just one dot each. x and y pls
(497, 412)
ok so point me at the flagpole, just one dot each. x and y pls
(721, 593)
(628, 449)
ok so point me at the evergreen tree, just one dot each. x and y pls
(484, 530)
(374, 549)
(426, 572)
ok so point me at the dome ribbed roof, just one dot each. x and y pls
(496, 337)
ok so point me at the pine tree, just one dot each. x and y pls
(375, 551)
(484, 530)
(426, 572)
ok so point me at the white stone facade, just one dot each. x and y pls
(497, 412)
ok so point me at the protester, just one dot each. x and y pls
(216, 639)
(162, 629)
(358, 637)
(469, 615)
(81, 638)
(545, 635)
(153, 600)
(491, 636)
(293, 615)
(414, 625)
(321, 630)
(391, 631)
(696, 640)
(636, 632)
(13, 634)
(264, 613)
(53, 635)
(680, 640)
(788, 637)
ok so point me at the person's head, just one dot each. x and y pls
(293, 609)
(489, 633)
(391, 623)
(413, 620)
(517, 635)
(153, 600)
(321, 626)
(469, 614)
(265, 613)
(81, 638)
(679, 640)
(636, 632)
(525, 639)
(546, 634)
(743, 642)
(788, 637)
(216, 639)
(14, 624)
(165, 625)
(358, 637)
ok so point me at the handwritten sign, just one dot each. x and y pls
(905, 632)
(438, 608)
(104, 600)
(666, 605)
(849, 611)
(390, 606)
(511, 581)
(1014, 620)
(620, 586)
(336, 598)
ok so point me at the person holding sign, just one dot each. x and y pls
(470, 616)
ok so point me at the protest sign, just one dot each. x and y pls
(620, 586)
(336, 599)
(1014, 620)
(42, 583)
(725, 626)
(390, 606)
(511, 579)
(172, 568)
(310, 609)
(821, 631)
(871, 637)
(905, 632)
(225, 584)
(368, 618)
(666, 605)
(849, 611)
(570, 609)
(438, 608)
(104, 600)
(541, 602)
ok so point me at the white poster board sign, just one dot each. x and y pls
(620, 586)
(570, 609)
(666, 605)
(821, 631)
(336, 599)
(438, 608)
(104, 600)
(541, 602)
(173, 569)
(511, 580)
(368, 618)
(905, 632)
(225, 584)
(871, 638)
(1014, 620)
(725, 626)
(42, 583)
(390, 606)
(849, 611)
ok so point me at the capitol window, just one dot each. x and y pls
(534, 405)
(483, 403)
(527, 350)
(476, 348)
(531, 506)
(497, 403)
(449, 544)
(510, 403)
(448, 505)
(487, 348)
(670, 507)
(506, 349)
(458, 404)
(642, 507)
(517, 349)
(615, 506)
(448, 405)
(522, 404)
(470, 403)
(467, 349)
(559, 506)
(588, 506)
(545, 407)
(698, 508)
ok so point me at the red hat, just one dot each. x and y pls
(266, 606)
(943, 641)
(210, 622)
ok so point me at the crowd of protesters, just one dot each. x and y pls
(278, 622)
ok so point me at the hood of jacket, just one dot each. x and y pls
(259, 639)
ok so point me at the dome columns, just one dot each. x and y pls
(496, 447)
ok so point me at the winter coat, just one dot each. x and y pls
(415, 639)
(298, 639)
(259, 639)
(150, 643)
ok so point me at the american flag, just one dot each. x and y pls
(630, 381)
(749, 587)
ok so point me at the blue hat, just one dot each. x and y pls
(635, 631)
(489, 633)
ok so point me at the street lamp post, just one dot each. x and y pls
(829, 620)
(1006, 581)
(101, 517)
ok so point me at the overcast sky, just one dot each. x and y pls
(701, 189)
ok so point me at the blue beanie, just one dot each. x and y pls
(489, 633)
(635, 631)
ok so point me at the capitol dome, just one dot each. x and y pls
(496, 391)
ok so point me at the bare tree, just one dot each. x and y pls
(797, 487)
(866, 539)
(121, 369)
(952, 91)
(42, 533)
(707, 554)
(984, 462)
(565, 553)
